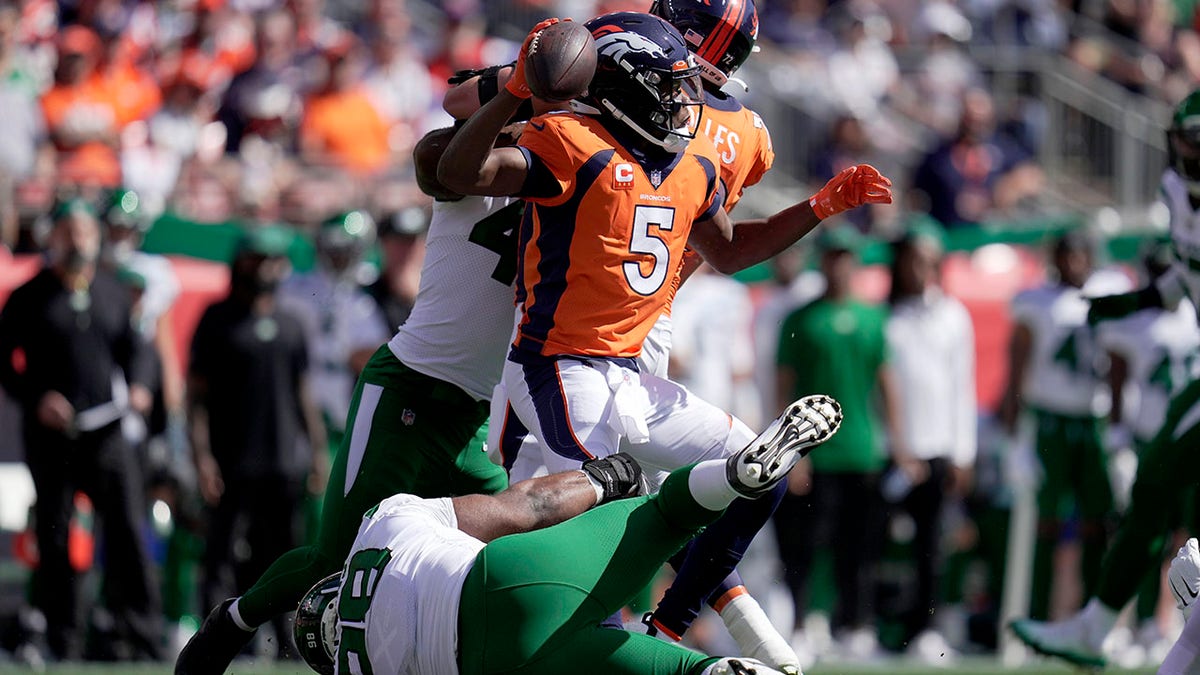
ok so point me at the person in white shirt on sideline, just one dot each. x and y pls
(932, 346)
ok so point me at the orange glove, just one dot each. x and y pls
(853, 187)
(516, 84)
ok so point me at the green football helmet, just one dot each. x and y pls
(315, 629)
(1183, 141)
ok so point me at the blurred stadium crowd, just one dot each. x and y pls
(298, 118)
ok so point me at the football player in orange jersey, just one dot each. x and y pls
(615, 195)
(721, 34)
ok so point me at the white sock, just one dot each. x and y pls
(1100, 620)
(709, 486)
(1185, 653)
(754, 633)
(237, 617)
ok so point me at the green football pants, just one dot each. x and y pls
(533, 602)
(406, 432)
(1075, 481)
(1168, 468)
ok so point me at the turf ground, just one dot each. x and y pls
(898, 667)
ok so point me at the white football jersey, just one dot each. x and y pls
(462, 321)
(402, 584)
(339, 318)
(1183, 279)
(1062, 373)
(1162, 349)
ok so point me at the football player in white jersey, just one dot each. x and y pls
(471, 585)
(1054, 376)
(1170, 463)
(1152, 354)
(418, 416)
(343, 324)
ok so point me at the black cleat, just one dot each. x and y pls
(214, 646)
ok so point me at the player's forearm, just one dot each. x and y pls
(755, 241)
(465, 167)
(764, 239)
(529, 505)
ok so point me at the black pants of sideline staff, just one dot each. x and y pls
(103, 466)
(842, 513)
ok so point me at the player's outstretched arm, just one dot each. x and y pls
(731, 248)
(548, 500)
(471, 164)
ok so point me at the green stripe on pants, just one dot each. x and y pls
(1169, 466)
(416, 435)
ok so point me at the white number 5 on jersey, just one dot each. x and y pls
(644, 242)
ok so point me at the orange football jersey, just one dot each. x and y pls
(597, 259)
(742, 142)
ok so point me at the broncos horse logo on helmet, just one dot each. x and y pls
(646, 78)
(721, 33)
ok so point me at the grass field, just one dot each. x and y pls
(897, 667)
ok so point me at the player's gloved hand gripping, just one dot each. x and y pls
(851, 188)
(517, 86)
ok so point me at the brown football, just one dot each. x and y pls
(560, 62)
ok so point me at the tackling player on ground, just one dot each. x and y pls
(1170, 463)
(435, 587)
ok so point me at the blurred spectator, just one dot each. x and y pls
(975, 174)
(178, 125)
(134, 92)
(862, 71)
(932, 348)
(126, 222)
(402, 242)
(1054, 375)
(945, 71)
(315, 32)
(837, 345)
(255, 430)
(397, 78)
(798, 25)
(790, 287)
(341, 126)
(71, 359)
(20, 116)
(712, 351)
(82, 117)
(265, 99)
(342, 324)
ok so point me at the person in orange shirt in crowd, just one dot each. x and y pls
(341, 124)
(133, 91)
(81, 117)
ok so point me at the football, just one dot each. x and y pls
(560, 62)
